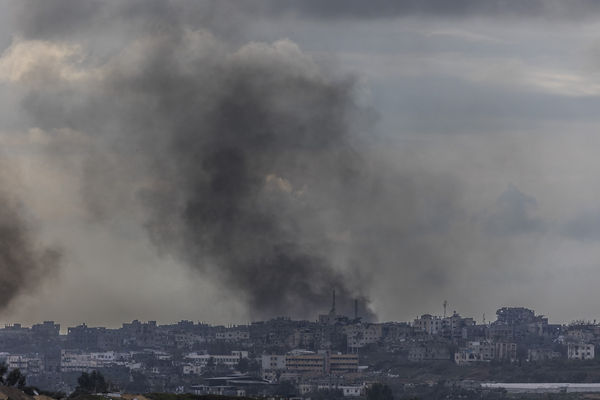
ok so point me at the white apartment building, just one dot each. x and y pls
(74, 361)
(106, 357)
(192, 369)
(27, 364)
(429, 324)
(273, 362)
(475, 352)
(200, 361)
(580, 351)
(78, 361)
(486, 351)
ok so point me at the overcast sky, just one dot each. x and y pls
(476, 125)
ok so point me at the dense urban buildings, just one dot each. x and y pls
(333, 353)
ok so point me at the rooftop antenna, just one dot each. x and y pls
(445, 305)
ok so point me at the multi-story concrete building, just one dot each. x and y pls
(429, 324)
(360, 335)
(306, 363)
(233, 335)
(76, 361)
(580, 351)
(452, 326)
(273, 362)
(514, 323)
(188, 340)
(27, 364)
(475, 352)
(486, 351)
(505, 351)
(199, 362)
(342, 363)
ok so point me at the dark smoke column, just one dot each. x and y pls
(241, 158)
(22, 263)
(258, 161)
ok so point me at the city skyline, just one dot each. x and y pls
(481, 319)
(282, 354)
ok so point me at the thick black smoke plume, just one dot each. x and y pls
(22, 262)
(256, 145)
(244, 157)
(250, 161)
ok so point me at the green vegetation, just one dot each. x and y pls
(89, 384)
(13, 378)
(379, 391)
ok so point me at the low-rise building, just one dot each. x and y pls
(486, 351)
(347, 390)
(542, 354)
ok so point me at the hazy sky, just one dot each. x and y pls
(409, 152)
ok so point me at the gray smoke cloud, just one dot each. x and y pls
(60, 18)
(253, 141)
(356, 9)
(23, 262)
(253, 164)
(245, 157)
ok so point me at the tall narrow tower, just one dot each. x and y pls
(333, 303)
(355, 308)
(445, 305)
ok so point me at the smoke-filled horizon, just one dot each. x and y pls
(23, 261)
(231, 161)
(245, 159)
